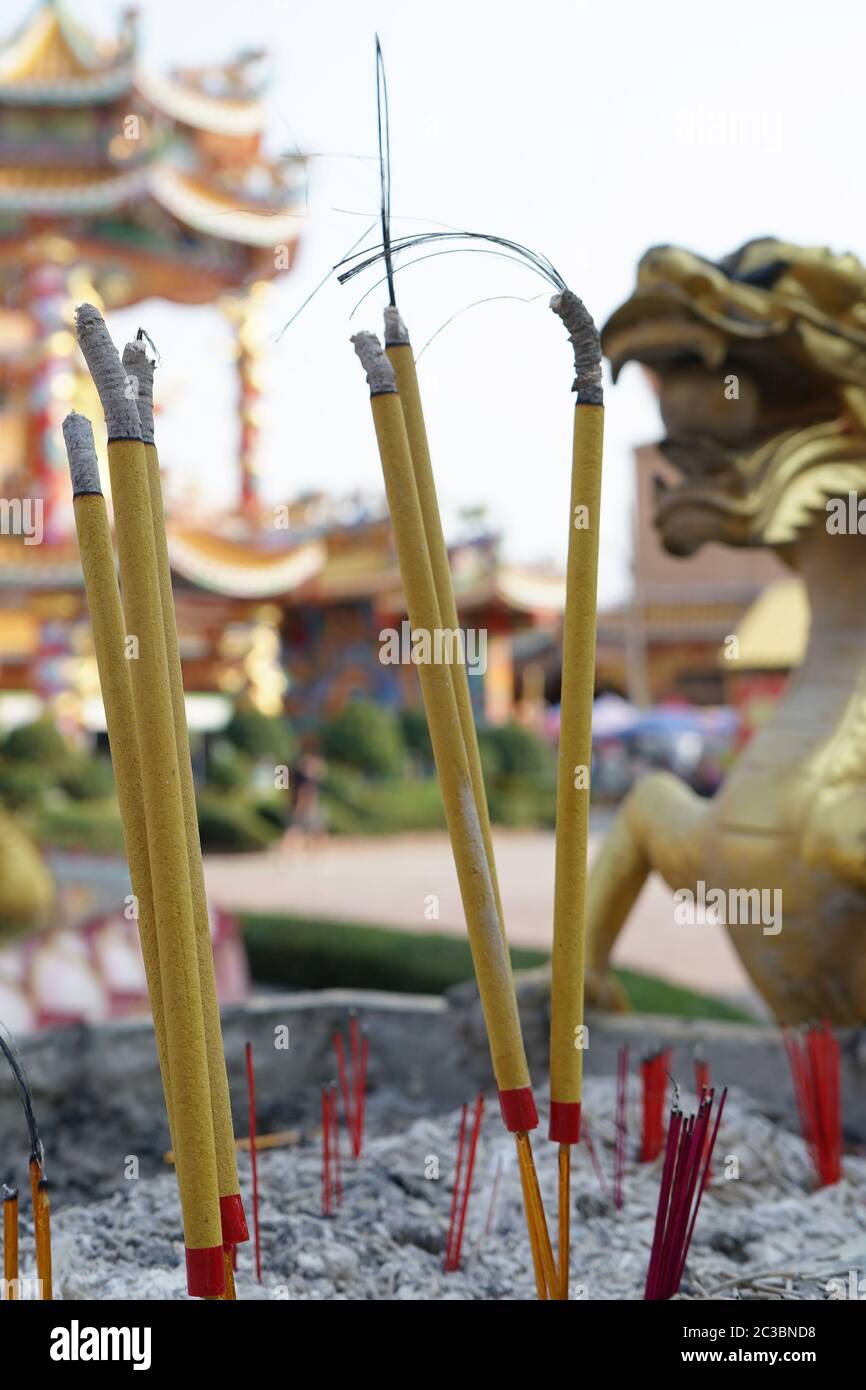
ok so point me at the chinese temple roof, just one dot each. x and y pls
(53, 60)
(161, 183)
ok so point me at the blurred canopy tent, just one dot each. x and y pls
(118, 185)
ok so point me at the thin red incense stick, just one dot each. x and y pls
(361, 1096)
(688, 1150)
(816, 1067)
(348, 1111)
(467, 1186)
(251, 1090)
(355, 1051)
(335, 1146)
(702, 1084)
(621, 1126)
(455, 1195)
(494, 1193)
(590, 1148)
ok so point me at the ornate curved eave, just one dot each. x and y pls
(219, 117)
(218, 218)
(239, 571)
(99, 89)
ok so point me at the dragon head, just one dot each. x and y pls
(760, 362)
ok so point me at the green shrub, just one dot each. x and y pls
(521, 752)
(23, 784)
(275, 809)
(229, 824)
(227, 767)
(416, 735)
(366, 736)
(94, 826)
(298, 953)
(262, 736)
(87, 779)
(40, 742)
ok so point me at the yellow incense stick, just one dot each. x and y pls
(402, 359)
(489, 953)
(139, 369)
(575, 735)
(187, 1053)
(567, 1039)
(115, 682)
(486, 939)
(10, 1242)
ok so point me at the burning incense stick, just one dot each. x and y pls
(688, 1151)
(489, 951)
(115, 683)
(251, 1095)
(402, 359)
(575, 752)
(816, 1069)
(10, 1241)
(184, 1021)
(139, 369)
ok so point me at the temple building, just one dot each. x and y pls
(117, 186)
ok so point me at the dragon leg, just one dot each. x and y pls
(657, 828)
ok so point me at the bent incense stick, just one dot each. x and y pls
(575, 753)
(489, 951)
(402, 359)
(10, 1242)
(115, 682)
(184, 1023)
(139, 369)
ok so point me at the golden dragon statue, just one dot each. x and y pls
(760, 366)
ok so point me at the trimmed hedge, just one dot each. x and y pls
(297, 953)
(303, 953)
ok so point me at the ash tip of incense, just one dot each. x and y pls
(396, 332)
(81, 452)
(109, 378)
(380, 373)
(139, 369)
(584, 338)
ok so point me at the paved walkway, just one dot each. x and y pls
(409, 881)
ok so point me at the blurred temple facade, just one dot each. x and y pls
(117, 186)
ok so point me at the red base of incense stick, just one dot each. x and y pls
(234, 1222)
(518, 1109)
(564, 1121)
(205, 1272)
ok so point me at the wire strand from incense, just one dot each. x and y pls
(536, 259)
(434, 255)
(22, 1086)
(383, 135)
(322, 283)
(476, 303)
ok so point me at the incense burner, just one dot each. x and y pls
(760, 366)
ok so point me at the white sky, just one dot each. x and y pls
(587, 129)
